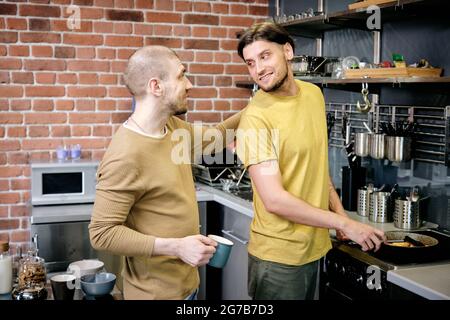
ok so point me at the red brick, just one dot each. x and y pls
(8, 37)
(24, 223)
(234, 93)
(88, 78)
(238, 9)
(107, 79)
(45, 78)
(20, 184)
(81, 131)
(22, 77)
(201, 19)
(8, 118)
(104, 3)
(104, 105)
(103, 27)
(88, 65)
(102, 131)
(64, 105)
(40, 144)
(25, 195)
(42, 105)
(64, 52)
(220, 8)
(125, 15)
(121, 41)
(124, 105)
(236, 21)
(123, 28)
(201, 32)
(65, 78)
(44, 37)
(185, 55)
(86, 91)
(40, 11)
(9, 145)
(2, 134)
(143, 4)
(60, 131)
(201, 44)
(10, 171)
(39, 25)
(44, 91)
(202, 7)
(125, 53)
(203, 105)
(106, 53)
(3, 50)
(182, 31)
(47, 65)
(236, 69)
(9, 64)
(91, 13)
(230, 45)
(168, 42)
(18, 158)
(85, 53)
(218, 33)
(143, 29)
(38, 131)
(17, 132)
(183, 6)
(221, 105)
(85, 105)
(88, 143)
(222, 57)
(118, 92)
(258, 11)
(162, 30)
(119, 117)
(22, 51)
(203, 93)
(8, 9)
(83, 39)
(17, 24)
(124, 3)
(239, 104)
(4, 236)
(4, 77)
(45, 118)
(203, 56)
(20, 236)
(118, 66)
(223, 81)
(206, 68)
(9, 224)
(163, 5)
(39, 156)
(204, 81)
(42, 51)
(153, 17)
(66, 26)
(90, 118)
(4, 186)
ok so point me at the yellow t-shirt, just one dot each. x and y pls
(291, 130)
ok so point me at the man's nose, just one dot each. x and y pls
(189, 84)
(259, 67)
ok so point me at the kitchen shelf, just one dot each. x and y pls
(314, 27)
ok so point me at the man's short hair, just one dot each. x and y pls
(267, 31)
(146, 63)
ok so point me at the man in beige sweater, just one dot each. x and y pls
(145, 207)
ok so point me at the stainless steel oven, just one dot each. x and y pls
(62, 197)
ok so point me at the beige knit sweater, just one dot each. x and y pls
(142, 193)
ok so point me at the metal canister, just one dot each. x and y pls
(380, 209)
(398, 148)
(362, 144)
(407, 214)
(363, 202)
(377, 145)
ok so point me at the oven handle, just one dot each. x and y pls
(232, 236)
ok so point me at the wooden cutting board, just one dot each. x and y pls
(393, 73)
(367, 3)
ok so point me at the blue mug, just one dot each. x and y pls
(223, 249)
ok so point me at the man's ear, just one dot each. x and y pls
(288, 51)
(155, 87)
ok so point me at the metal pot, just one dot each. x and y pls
(377, 145)
(398, 148)
(362, 144)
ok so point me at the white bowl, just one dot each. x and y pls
(83, 267)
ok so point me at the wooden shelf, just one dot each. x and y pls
(314, 27)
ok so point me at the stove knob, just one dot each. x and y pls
(360, 279)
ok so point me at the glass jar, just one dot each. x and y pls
(5, 269)
(32, 278)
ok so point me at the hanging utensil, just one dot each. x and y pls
(367, 104)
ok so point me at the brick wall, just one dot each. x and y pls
(60, 83)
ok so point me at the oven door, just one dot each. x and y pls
(328, 292)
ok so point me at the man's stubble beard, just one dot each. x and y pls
(277, 85)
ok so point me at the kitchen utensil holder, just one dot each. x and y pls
(380, 209)
(398, 148)
(407, 214)
(362, 144)
(363, 202)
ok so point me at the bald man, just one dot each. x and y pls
(145, 206)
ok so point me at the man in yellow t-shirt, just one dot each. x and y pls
(282, 141)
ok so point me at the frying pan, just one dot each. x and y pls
(427, 241)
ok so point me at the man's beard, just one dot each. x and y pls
(180, 112)
(277, 85)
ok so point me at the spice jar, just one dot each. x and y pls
(32, 278)
(5, 268)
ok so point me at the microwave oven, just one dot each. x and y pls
(63, 182)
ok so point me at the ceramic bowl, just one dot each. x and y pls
(98, 284)
(84, 267)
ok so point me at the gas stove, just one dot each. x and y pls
(349, 273)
